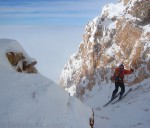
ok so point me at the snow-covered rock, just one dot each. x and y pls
(121, 34)
(19, 60)
(33, 101)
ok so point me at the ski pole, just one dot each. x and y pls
(110, 90)
(139, 83)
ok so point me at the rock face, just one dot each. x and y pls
(121, 34)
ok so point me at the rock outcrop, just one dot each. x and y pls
(121, 34)
(19, 62)
(16, 57)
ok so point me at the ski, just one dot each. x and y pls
(122, 96)
(110, 100)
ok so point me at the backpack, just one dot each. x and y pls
(117, 75)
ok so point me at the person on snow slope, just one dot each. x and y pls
(118, 77)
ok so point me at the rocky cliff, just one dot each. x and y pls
(121, 34)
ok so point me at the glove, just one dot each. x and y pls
(131, 69)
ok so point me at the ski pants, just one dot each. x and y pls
(117, 85)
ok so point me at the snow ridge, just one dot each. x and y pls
(33, 101)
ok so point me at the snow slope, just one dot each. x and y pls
(33, 101)
(132, 112)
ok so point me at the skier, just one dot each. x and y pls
(118, 77)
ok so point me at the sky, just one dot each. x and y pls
(49, 30)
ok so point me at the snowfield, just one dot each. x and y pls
(33, 101)
(133, 111)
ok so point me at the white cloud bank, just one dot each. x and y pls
(50, 46)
